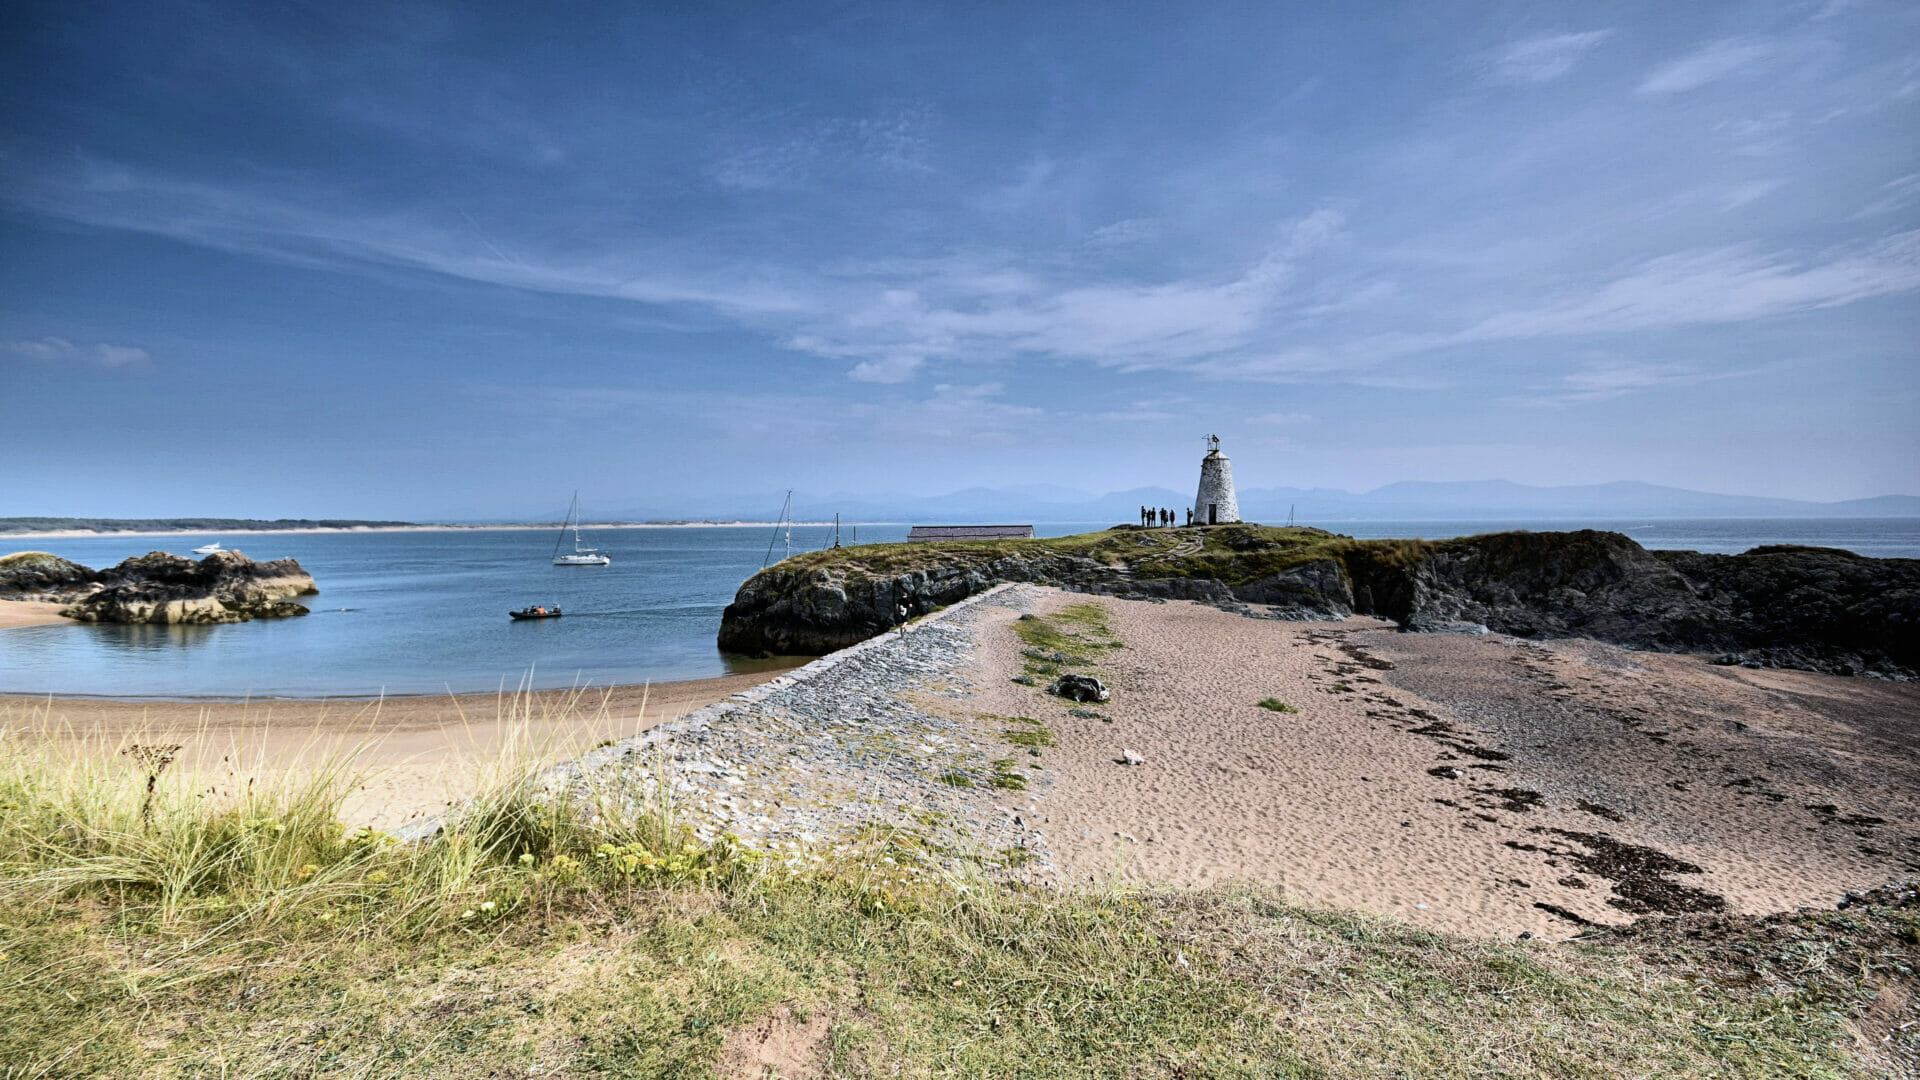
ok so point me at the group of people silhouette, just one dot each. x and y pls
(1160, 516)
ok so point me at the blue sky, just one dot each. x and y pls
(421, 261)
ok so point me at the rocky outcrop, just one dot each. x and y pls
(1816, 609)
(1810, 608)
(33, 575)
(789, 611)
(160, 588)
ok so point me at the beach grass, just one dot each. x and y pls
(1077, 636)
(152, 927)
(1274, 704)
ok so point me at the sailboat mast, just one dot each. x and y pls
(775, 538)
(558, 540)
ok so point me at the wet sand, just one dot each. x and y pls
(415, 755)
(1481, 784)
(16, 613)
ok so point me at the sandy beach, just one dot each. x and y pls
(1472, 783)
(16, 613)
(1481, 784)
(416, 755)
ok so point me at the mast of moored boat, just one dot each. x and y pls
(558, 540)
(785, 510)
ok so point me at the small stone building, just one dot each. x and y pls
(970, 532)
(1216, 503)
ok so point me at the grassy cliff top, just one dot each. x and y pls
(1232, 554)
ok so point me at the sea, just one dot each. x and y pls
(426, 612)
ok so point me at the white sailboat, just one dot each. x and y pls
(580, 556)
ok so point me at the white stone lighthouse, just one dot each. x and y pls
(1216, 503)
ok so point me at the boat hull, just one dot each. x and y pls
(583, 560)
(533, 614)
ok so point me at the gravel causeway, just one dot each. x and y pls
(872, 736)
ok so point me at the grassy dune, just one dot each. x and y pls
(152, 927)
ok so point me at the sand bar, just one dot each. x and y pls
(17, 613)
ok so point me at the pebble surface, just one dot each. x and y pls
(874, 735)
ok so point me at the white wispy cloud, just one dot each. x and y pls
(1717, 285)
(888, 369)
(1898, 194)
(1606, 380)
(1707, 64)
(1750, 192)
(1125, 233)
(1541, 59)
(792, 151)
(62, 351)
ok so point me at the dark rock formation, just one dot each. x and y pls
(161, 588)
(1817, 609)
(1315, 590)
(33, 574)
(811, 612)
(1082, 688)
(1811, 608)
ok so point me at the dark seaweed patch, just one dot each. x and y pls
(1600, 811)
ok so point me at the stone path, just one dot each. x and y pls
(866, 742)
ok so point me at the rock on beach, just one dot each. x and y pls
(159, 587)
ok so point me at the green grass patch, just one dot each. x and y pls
(1274, 704)
(1031, 737)
(956, 778)
(1007, 777)
(1074, 637)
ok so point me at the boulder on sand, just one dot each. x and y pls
(1079, 688)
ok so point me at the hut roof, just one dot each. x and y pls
(970, 532)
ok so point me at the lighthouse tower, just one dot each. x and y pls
(1215, 504)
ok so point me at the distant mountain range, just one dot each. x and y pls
(1480, 500)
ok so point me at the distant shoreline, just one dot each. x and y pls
(82, 534)
(1646, 520)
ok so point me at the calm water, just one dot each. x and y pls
(427, 612)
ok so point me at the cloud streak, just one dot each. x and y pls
(1707, 64)
(1717, 285)
(54, 350)
(1541, 59)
